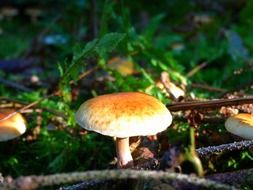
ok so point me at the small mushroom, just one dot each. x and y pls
(240, 125)
(34, 13)
(11, 127)
(123, 115)
(9, 12)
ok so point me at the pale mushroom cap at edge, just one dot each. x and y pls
(124, 114)
(12, 127)
(240, 125)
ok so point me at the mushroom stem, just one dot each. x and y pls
(124, 156)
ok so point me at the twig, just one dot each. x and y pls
(18, 103)
(234, 178)
(55, 93)
(209, 104)
(150, 164)
(33, 182)
(196, 69)
(206, 152)
(208, 88)
(84, 74)
(203, 153)
(28, 106)
(14, 85)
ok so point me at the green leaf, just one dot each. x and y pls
(104, 45)
(153, 26)
(60, 68)
(109, 42)
(106, 15)
(79, 55)
(147, 76)
(83, 53)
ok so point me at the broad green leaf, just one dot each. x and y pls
(82, 53)
(78, 55)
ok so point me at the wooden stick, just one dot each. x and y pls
(18, 104)
(209, 104)
(14, 85)
(55, 93)
(206, 152)
(34, 182)
(196, 69)
(208, 88)
(27, 106)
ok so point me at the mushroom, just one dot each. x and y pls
(240, 125)
(123, 115)
(11, 127)
(9, 12)
(34, 13)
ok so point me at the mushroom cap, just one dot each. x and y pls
(240, 125)
(12, 127)
(124, 114)
(9, 11)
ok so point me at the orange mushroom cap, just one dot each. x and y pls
(124, 114)
(11, 127)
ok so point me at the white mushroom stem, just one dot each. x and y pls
(124, 156)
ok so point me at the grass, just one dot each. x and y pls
(173, 37)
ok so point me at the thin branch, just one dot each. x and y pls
(206, 152)
(55, 93)
(84, 74)
(209, 104)
(33, 182)
(151, 164)
(18, 103)
(196, 69)
(208, 88)
(14, 85)
(27, 106)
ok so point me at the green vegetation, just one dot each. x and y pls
(79, 49)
